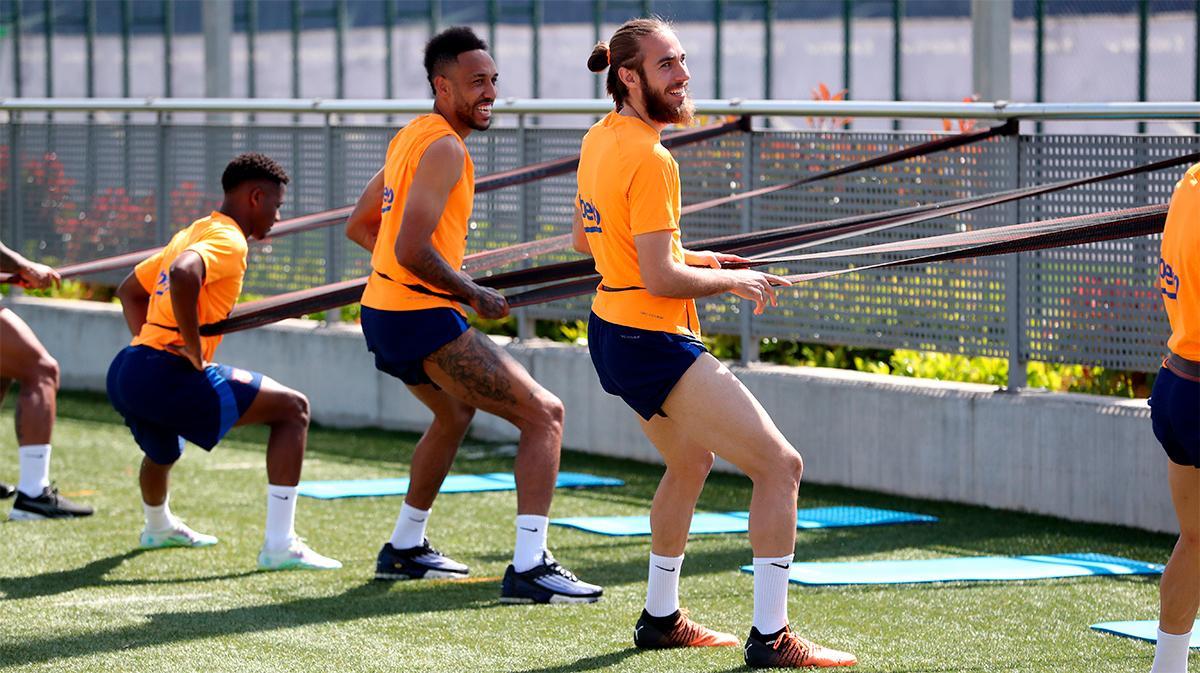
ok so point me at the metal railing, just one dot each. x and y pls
(998, 110)
(89, 189)
(49, 24)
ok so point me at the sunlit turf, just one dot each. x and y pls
(79, 596)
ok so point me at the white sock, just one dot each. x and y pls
(410, 527)
(1171, 652)
(281, 516)
(771, 593)
(531, 541)
(662, 587)
(35, 469)
(160, 517)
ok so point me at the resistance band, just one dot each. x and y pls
(488, 183)
(328, 297)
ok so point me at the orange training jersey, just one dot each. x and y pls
(629, 185)
(386, 286)
(1179, 266)
(222, 246)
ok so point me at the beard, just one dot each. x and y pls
(466, 114)
(663, 110)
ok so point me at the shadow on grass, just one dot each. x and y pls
(596, 662)
(90, 575)
(360, 602)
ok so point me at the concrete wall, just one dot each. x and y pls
(1079, 457)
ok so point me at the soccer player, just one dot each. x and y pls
(644, 340)
(1175, 412)
(167, 387)
(413, 217)
(23, 358)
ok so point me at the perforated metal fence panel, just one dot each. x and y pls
(73, 192)
(1096, 303)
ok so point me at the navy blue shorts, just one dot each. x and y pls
(401, 340)
(1175, 413)
(165, 400)
(640, 366)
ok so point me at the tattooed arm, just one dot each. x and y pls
(439, 170)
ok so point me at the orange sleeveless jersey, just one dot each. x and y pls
(386, 286)
(1179, 266)
(629, 185)
(222, 246)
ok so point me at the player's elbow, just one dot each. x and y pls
(409, 255)
(658, 284)
(129, 290)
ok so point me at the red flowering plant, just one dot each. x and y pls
(115, 222)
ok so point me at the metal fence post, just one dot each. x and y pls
(1039, 55)
(746, 315)
(340, 20)
(1143, 53)
(897, 55)
(168, 13)
(333, 266)
(14, 178)
(162, 198)
(1013, 305)
(16, 42)
(718, 26)
(598, 28)
(48, 30)
(526, 325)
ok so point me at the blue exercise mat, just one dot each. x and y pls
(704, 523)
(455, 483)
(970, 569)
(1142, 630)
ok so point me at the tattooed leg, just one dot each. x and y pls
(474, 370)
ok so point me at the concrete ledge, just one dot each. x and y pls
(1080, 457)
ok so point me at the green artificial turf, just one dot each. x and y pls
(79, 596)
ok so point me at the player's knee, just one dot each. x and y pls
(544, 414)
(45, 373)
(694, 468)
(793, 465)
(1189, 538)
(784, 469)
(457, 417)
(297, 407)
(552, 411)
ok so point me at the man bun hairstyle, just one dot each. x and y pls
(444, 48)
(251, 166)
(624, 50)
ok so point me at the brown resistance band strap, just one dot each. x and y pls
(805, 235)
(488, 183)
(1059, 233)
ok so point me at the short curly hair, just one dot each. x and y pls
(445, 47)
(252, 166)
